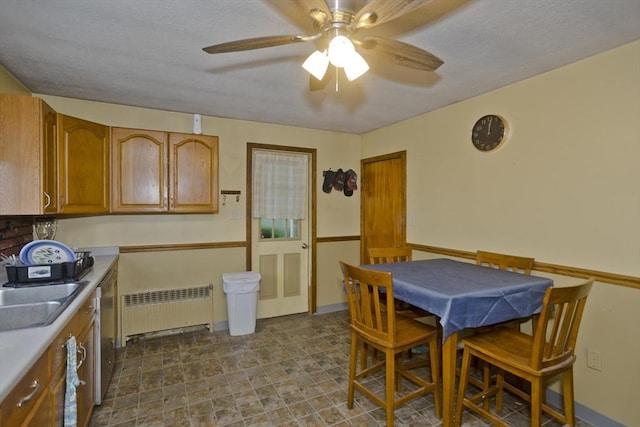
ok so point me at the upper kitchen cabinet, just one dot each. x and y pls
(83, 166)
(28, 155)
(163, 172)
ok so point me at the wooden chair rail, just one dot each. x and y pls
(563, 270)
(583, 273)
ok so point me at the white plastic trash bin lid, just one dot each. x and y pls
(241, 283)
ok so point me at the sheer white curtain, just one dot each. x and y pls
(279, 185)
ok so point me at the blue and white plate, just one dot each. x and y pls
(46, 252)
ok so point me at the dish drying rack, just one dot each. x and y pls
(51, 272)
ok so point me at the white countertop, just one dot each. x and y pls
(21, 348)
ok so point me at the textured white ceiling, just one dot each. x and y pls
(148, 53)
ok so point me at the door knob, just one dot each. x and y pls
(305, 246)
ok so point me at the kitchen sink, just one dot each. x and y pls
(35, 306)
(29, 315)
(35, 294)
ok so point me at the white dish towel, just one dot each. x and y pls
(73, 381)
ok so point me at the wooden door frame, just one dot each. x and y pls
(402, 156)
(312, 152)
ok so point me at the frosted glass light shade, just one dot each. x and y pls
(340, 51)
(316, 64)
(356, 66)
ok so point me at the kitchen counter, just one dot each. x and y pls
(20, 349)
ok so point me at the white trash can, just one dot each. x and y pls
(242, 301)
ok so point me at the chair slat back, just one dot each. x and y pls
(556, 332)
(513, 263)
(387, 255)
(365, 290)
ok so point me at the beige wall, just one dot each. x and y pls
(9, 84)
(565, 189)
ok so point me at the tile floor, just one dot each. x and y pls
(291, 372)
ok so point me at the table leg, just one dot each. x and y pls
(449, 355)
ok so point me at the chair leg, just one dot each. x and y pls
(353, 361)
(567, 391)
(364, 356)
(390, 374)
(434, 357)
(536, 402)
(486, 382)
(500, 392)
(464, 376)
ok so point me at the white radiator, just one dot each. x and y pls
(159, 310)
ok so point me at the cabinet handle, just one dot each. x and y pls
(172, 202)
(82, 350)
(89, 309)
(36, 387)
(46, 205)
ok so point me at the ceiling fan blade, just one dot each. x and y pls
(377, 12)
(258, 43)
(400, 53)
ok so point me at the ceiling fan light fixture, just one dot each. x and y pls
(316, 64)
(355, 67)
(341, 51)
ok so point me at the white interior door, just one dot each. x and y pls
(281, 254)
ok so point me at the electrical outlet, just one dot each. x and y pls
(594, 360)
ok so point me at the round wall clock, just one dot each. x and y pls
(489, 132)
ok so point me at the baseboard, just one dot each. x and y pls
(583, 412)
(221, 326)
(331, 308)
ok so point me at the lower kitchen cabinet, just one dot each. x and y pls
(29, 400)
(86, 373)
(39, 397)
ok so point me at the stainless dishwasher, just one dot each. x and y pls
(105, 332)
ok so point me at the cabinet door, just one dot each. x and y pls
(50, 160)
(139, 171)
(25, 125)
(193, 172)
(25, 401)
(58, 391)
(83, 154)
(86, 373)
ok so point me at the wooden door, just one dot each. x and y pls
(139, 178)
(83, 169)
(383, 198)
(193, 173)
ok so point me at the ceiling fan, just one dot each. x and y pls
(337, 23)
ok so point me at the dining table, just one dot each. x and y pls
(463, 295)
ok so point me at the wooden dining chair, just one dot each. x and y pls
(392, 335)
(548, 352)
(397, 254)
(516, 264)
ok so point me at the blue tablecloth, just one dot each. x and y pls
(465, 295)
